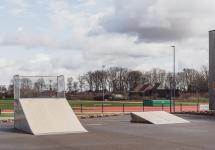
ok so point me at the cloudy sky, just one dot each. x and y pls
(51, 37)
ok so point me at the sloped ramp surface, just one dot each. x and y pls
(46, 116)
(156, 117)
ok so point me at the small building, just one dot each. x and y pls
(149, 91)
(140, 91)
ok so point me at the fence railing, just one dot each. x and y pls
(123, 108)
(103, 107)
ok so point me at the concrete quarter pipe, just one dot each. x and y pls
(43, 116)
(46, 116)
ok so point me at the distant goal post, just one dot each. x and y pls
(39, 86)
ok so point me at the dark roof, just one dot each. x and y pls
(145, 87)
(156, 86)
(142, 88)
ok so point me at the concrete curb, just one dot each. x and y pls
(98, 115)
(80, 116)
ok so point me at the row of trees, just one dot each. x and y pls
(120, 80)
(123, 80)
(31, 87)
(6, 92)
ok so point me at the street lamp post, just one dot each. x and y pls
(174, 83)
(103, 91)
(170, 82)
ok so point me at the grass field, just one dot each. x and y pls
(192, 102)
(6, 104)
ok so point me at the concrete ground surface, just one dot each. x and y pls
(117, 133)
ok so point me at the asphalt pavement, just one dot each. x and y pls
(118, 133)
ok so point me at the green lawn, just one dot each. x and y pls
(192, 102)
(6, 104)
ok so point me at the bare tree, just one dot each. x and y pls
(75, 86)
(88, 78)
(81, 82)
(117, 79)
(39, 84)
(156, 76)
(134, 78)
(69, 84)
(26, 83)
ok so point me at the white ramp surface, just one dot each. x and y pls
(46, 116)
(156, 117)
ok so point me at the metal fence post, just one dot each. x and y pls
(197, 107)
(123, 107)
(102, 107)
(162, 107)
(180, 107)
(0, 111)
(81, 108)
(143, 106)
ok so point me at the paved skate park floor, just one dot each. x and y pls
(117, 133)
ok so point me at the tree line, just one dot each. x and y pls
(122, 80)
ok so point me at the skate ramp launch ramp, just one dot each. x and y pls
(40, 106)
(47, 116)
(156, 117)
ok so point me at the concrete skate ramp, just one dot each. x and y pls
(46, 116)
(156, 117)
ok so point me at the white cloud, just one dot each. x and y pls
(137, 35)
(4, 63)
(40, 58)
(89, 2)
(19, 29)
(161, 20)
(17, 7)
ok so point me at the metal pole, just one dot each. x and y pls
(170, 105)
(197, 107)
(103, 91)
(102, 107)
(174, 78)
(123, 107)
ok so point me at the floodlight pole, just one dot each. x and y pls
(103, 91)
(174, 83)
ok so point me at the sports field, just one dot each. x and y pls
(117, 106)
